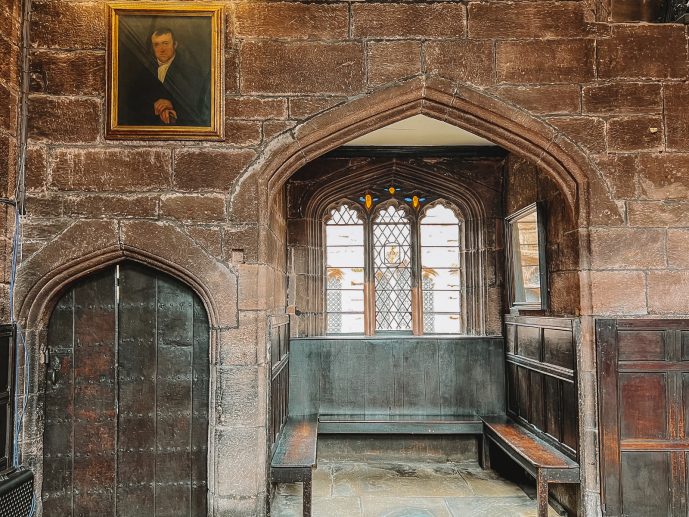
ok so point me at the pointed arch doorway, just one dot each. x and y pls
(126, 398)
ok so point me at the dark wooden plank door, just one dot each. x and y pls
(644, 416)
(127, 398)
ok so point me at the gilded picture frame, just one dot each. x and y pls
(165, 78)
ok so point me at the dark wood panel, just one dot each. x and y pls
(529, 342)
(643, 429)
(642, 345)
(558, 348)
(543, 387)
(397, 376)
(643, 406)
(646, 484)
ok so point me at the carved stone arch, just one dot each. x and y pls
(87, 246)
(479, 112)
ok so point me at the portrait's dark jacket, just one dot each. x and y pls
(185, 86)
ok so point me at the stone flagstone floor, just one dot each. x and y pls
(406, 489)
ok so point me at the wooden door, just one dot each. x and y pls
(644, 416)
(126, 401)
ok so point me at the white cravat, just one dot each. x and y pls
(163, 68)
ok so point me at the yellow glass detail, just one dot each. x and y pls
(368, 201)
(392, 190)
(415, 201)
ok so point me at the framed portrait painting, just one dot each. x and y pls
(165, 71)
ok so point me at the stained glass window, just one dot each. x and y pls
(439, 232)
(344, 238)
(392, 269)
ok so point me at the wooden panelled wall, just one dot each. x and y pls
(644, 416)
(541, 378)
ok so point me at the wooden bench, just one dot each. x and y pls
(538, 458)
(295, 455)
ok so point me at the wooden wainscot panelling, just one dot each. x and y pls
(541, 377)
(643, 368)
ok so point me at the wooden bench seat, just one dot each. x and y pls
(538, 458)
(295, 455)
(399, 424)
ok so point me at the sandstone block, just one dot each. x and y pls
(659, 214)
(635, 133)
(44, 205)
(618, 292)
(209, 169)
(604, 210)
(68, 25)
(69, 73)
(38, 229)
(8, 109)
(240, 449)
(36, 168)
(392, 60)
(240, 401)
(616, 98)
(408, 20)
(303, 107)
(657, 51)
(255, 108)
(255, 287)
(191, 207)
(272, 128)
(664, 176)
(240, 346)
(208, 237)
(545, 61)
(8, 148)
(111, 205)
(627, 248)
(507, 20)
(242, 133)
(302, 67)
(589, 132)
(676, 119)
(678, 248)
(548, 99)
(464, 61)
(243, 238)
(9, 65)
(244, 205)
(125, 170)
(619, 173)
(60, 119)
(294, 20)
(231, 71)
(667, 292)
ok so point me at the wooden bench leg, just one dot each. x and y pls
(485, 452)
(542, 496)
(306, 504)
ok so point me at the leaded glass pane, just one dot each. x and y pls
(345, 256)
(440, 271)
(440, 257)
(344, 298)
(348, 235)
(392, 269)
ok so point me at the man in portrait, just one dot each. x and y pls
(164, 86)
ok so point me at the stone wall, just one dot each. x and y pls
(602, 108)
(10, 49)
